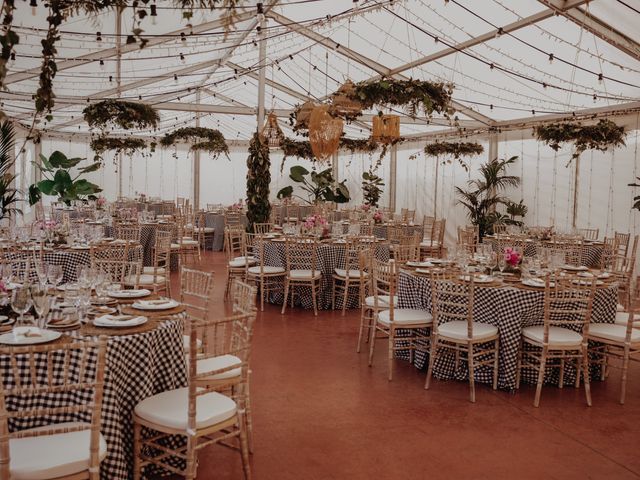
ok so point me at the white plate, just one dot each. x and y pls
(149, 305)
(420, 264)
(478, 279)
(531, 283)
(47, 336)
(134, 322)
(574, 268)
(64, 326)
(587, 282)
(143, 292)
(439, 261)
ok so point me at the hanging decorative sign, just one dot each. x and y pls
(271, 134)
(386, 128)
(324, 133)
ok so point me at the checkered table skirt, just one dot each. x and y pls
(137, 366)
(330, 257)
(69, 260)
(510, 309)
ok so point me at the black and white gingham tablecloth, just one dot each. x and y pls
(330, 257)
(137, 366)
(68, 259)
(508, 308)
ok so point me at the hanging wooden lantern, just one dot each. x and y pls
(324, 133)
(271, 134)
(303, 114)
(386, 128)
(343, 103)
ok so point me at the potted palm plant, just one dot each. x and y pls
(9, 195)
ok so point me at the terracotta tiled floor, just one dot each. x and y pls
(321, 413)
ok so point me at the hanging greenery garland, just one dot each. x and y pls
(201, 138)
(456, 150)
(601, 136)
(258, 180)
(126, 115)
(120, 145)
(8, 38)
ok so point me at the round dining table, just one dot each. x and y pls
(510, 306)
(140, 362)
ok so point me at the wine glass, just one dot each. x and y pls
(6, 271)
(41, 271)
(21, 302)
(492, 261)
(55, 275)
(41, 303)
(502, 262)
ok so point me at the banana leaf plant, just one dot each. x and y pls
(59, 182)
(9, 195)
(636, 199)
(320, 186)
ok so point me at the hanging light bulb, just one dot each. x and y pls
(154, 13)
(101, 64)
(183, 37)
(600, 78)
(110, 78)
(182, 57)
(34, 5)
(175, 78)
(499, 32)
(544, 85)
(595, 98)
(98, 36)
(551, 58)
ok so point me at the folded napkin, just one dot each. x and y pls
(21, 333)
(537, 281)
(155, 303)
(120, 320)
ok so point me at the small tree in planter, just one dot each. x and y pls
(258, 180)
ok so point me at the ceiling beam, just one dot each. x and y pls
(112, 52)
(363, 60)
(595, 26)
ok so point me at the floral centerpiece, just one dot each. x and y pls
(512, 259)
(378, 216)
(101, 202)
(238, 206)
(54, 232)
(318, 224)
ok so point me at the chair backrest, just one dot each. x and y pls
(196, 290)
(292, 214)
(468, 238)
(406, 253)
(301, 254)
(621, 242)
(109, 252)
(568, 302)
(589, 233)
(452, 299)
(42, 373)
(262, 228)
(499, 228)
(243, 297)
(232, 218)
(235, 241)
(162, 250)
(384, 281)
(122, 272)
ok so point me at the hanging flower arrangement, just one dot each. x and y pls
(201, 138)
(455, 150)
(603, 135)
(126, 115)
(127, 146)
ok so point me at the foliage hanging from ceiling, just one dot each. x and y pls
(127, 146)
(603, 135)
(456, 150)
(258, 180)
(8, 37)
(200, 138)
(126, 115)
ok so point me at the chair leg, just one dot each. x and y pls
(286, 294)
(496, 362)
(137, 449)
(363, 317)
(244, 447)
(190, 473)
(313, 298)
(372, 341)
(625, 369)
(392, 342)
(262, 294)
(519, 364)
(432, 360)
(586, 380)
(561, 378)
(543, 364)
(472, 371)
(333, 294)
(345, 298)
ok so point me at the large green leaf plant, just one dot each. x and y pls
(9, 195)
(320, 186)
(59, 182)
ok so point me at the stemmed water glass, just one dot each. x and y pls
(21, 302)
(55, 275)
(41, 302)
(41, 271)
(6, 271)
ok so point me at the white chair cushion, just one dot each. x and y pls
(189, 242)
(241, 262)
(152, 270)
(383, 301)
(304, 274)
(186, 342)
(170, 409)
(52, 456)
(341, 272)
(558, 336)
(428, 243)
(207, 229)
(405, 317)
(620, 308)
(622, 318)
(457, 330)
(145, 279)
(218, 363)
(611, 331)
(266, 269)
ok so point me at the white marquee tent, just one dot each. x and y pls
(514, 64)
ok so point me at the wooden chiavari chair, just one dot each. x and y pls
(389, 319)
(125, 273)
(292, 214)
(239, 257)
(67, 450)
(188, 247)
(200, 412)
(302, 270)
(589, 233)
(563, 337)
(269, 278)
(262, 228)
(368, 311)
(468, 238)
(348, 276)
(433, 244)
(454, 328)
(196, 291)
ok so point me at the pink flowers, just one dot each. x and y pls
(365, 207)
(313, 221)
(512, 257)
(101, 202)
(3, 287)
(48, 224)
(238, 205)
(377, 217)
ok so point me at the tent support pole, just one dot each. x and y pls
(575, 193)
(435, 190)
(119, 87)
(393, 175)
(196, 165)
(262, 59)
